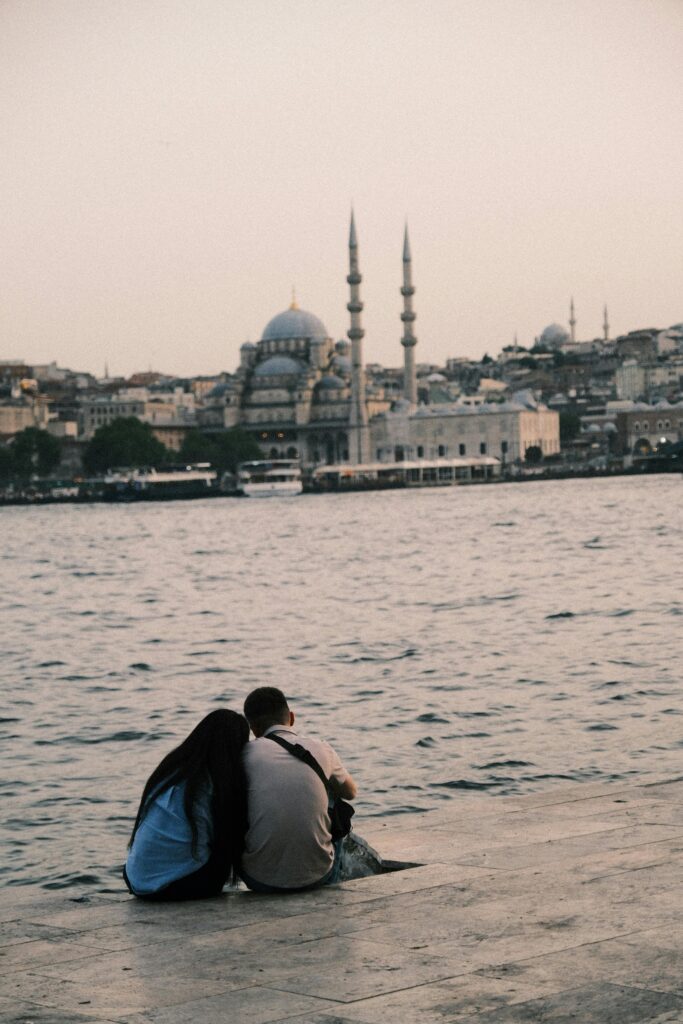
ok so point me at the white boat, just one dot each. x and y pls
(269, 478)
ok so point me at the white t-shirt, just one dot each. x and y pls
(288, 842)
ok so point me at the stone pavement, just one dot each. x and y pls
(563, 906)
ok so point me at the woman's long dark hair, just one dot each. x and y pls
(211, 754)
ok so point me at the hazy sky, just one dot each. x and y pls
(170, 168)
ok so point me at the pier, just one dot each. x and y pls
(558, 906)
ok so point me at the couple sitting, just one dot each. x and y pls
(220, 808)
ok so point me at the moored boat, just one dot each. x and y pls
(193, 481)
(269, 478)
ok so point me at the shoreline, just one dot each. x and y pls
(38, 501)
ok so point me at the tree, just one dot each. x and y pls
(123, 442)
(224, 450)
(6, 464)
(34, 453)
(235, 446)
(533, 455)
(570, 426)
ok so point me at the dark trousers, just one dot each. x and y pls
(207, 881)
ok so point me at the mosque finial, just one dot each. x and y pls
(572, 320)
(293, 304)
(406, 247)
(353, 241)
(605, 326)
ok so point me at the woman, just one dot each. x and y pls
(189, 831)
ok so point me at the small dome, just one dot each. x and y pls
(330, 381)
(248, 346)
(554, 335)
(295, 323)
(342, 363)
(218, 391)
(342, 346)
(436, 378)
(279, 366)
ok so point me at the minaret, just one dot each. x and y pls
(572, 320)
(605, 326)
(359, 433)
(408, 340)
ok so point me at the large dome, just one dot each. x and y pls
(295, 323)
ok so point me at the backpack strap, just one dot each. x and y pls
(302, 754)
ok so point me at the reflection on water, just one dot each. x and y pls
(499, 639)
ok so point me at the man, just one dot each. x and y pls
(288, 845)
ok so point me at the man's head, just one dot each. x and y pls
(267, 706)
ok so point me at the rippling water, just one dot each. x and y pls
(500, 638)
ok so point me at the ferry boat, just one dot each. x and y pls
(374, 476)
(269, 478)
(194, 481)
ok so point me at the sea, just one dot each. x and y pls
(495, 639)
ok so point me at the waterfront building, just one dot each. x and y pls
(170, 414)
(642, 428)
(504, 430)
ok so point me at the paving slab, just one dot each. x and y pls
(558, 906)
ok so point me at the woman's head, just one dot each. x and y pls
(214, 744)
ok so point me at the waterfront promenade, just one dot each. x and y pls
(562, 906)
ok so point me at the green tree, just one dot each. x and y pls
(6, 464)
(570, 426)
(224, 450)
(35, 452)
(198, 447)
(533, 455)
(123, 442)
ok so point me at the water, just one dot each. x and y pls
(501, 639)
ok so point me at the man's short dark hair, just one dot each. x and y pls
(266, 706)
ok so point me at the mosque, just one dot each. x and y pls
(303, 395)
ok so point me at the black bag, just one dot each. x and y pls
(340, 811)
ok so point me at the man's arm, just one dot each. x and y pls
(347, 789)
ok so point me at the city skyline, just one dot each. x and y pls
(173, 171)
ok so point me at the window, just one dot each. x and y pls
(420, 451)
(645, 425)
(441, 450)
(504, 447)
(462, 450)
(660, 425)
(636, 425)
(482, 448)
(667, 424)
